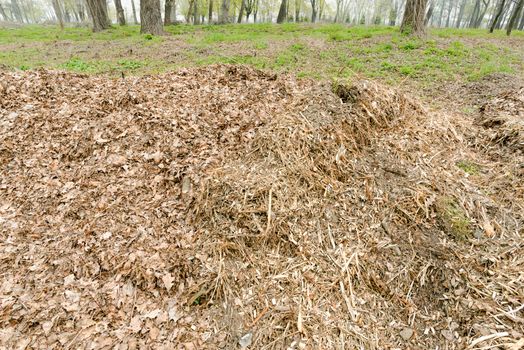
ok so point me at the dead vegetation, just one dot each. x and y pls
(224, 207)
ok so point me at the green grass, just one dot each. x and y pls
(469, 167)
(454, 219)
(322, 51)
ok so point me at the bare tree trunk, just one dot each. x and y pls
(224, 12)
(133, 9)
(81, 10)
(4, 14)
(196, 17)
(514, 16)
(297, 11)
(255, 11)
(413, 21)
(58, 13)
(15, 11)
(282, 12)
(241, 12)
(393, 14)
(474, 14)
(150, 17)
(483, 13)
(98, 12)
(460, 14)
(498, 16)
(210, 12)
(167, 12)
(314, 10)
(120, 16)
(521, 25)
(429, 14)
(450, 8)
(441, 14)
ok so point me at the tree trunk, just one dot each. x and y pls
(133, 9)
(120, 16)
(196, 17)
(282, 12)
(297, 11)
(210, 12)
(474, 14)
(4, 14)
(429, 14)
(150, 17)
(460, 14)
(498, 16)
(441, 13)
(413, 21)
(167, 12)
(482, 14)
(241, 12)
(450, 8)
(224, 12)
(515, 16)
(521, 25)
(15, 11)
(98, 12)
(393, 14)
(58, 13)
(313, 10)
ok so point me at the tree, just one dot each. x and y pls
(168, 5)
(150, 17)
(210, 12)
(4, 13)
(460, 14)
(120, 16)
(223, 16)
(414, 14)
(241, 12)
(58, 13)
(514, 16)
(98, 12)
(314, 10)
(282, 12)
(498, 16)
(134, 11)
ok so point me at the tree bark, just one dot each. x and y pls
(282, 12)
(521, 25)
(120, 16)
(98, 12)
(297, 11)
(135, 19)
(167, 12)
(514, 16)
(224, 12)
(241, 12)
(210, 12)
(498, 16)
(58, 13)
(150, 17)
(15, 11)
(450, 8)
(414, 14)
(460, 14)
(4, 14)
(314, 10)
(429, 14)
(196, 17)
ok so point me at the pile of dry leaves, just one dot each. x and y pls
(224, 207)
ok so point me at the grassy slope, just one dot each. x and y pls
(320, 51)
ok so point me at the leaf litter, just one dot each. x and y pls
(225, 207)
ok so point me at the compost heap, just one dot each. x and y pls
(224, 207)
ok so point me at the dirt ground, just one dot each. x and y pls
(225, 207)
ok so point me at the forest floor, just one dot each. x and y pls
(379, 205)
